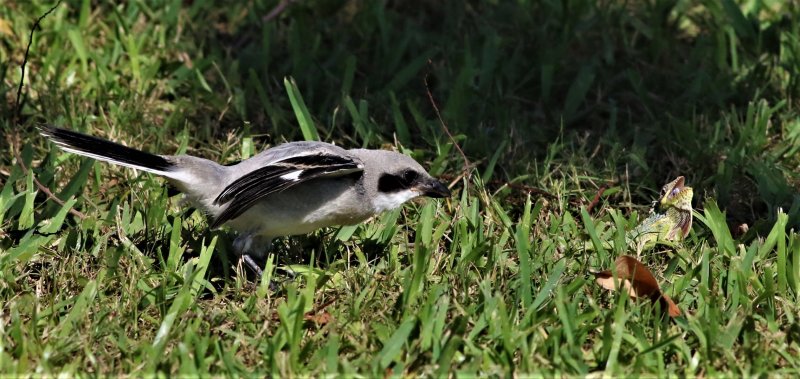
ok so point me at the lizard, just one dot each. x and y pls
(670, 220)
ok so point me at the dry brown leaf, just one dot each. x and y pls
(672, 308)
(637, 281)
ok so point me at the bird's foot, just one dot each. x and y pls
(253, 265)
(252, 251)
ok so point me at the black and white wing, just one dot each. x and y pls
(278, 176)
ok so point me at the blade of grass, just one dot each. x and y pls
(304, 119)
(392, 348)
(79, 307)
(54, 224)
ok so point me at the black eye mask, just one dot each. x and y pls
(393, 183)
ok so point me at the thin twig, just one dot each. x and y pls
(46, 190)
(17, 108)
(596, 199)
(444, 125)
(500, 184)
(324, 305)
(17, 105)
(531, 189)
(277, 10)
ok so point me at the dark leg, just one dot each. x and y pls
(252, 250)
(256, 267)
(251, 263)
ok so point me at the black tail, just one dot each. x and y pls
(105, 150)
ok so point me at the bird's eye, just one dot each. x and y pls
(409, 176)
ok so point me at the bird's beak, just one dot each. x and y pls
(433, 188)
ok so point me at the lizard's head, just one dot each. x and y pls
(675, 195)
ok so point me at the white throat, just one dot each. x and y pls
(387, 201)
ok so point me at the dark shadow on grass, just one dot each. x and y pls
(630, 84)
(224, 264)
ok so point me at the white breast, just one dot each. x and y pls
(388, 201)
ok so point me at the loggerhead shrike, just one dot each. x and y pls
(293, 188)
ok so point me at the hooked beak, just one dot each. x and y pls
(433, 188)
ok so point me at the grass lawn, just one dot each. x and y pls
(571, 115)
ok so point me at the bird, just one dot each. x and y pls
(290, 189)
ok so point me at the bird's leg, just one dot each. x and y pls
(252, 249)
(251, 263)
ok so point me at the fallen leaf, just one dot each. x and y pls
(637, 281)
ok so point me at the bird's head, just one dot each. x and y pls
(396, 178)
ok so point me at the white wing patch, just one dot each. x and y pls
(294, 175)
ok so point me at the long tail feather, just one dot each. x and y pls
(108, 151)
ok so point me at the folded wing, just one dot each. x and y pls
(278, 176)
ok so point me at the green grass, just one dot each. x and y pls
(550, 99)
